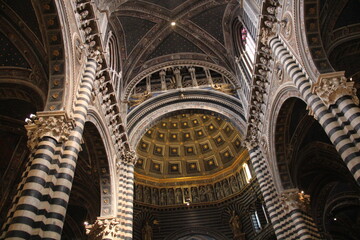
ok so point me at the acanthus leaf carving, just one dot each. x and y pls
(103, 228)
(55, 124)
(127, 157)
(332, 86)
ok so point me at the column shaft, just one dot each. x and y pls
(293, 224)
(125, 200)
(40, 207)
(341, 139)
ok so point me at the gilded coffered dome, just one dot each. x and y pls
(188, 145)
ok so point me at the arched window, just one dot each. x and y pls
(244, 51)
(114, 61)
(244, 44)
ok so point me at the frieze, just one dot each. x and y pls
(219, 190)
(269, 28)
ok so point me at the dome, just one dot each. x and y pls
(187, 145)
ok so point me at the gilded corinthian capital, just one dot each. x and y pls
(332, 86)
(54, 124)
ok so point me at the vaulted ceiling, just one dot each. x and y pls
(147, 37)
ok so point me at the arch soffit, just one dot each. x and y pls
(173, 63)
(69, 39)
(283, 94)
(231, 12)
(307, 26)
(153, 116)
(58, 42)
(107, 180)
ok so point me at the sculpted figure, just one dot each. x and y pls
(139, 194)
(178, 196)
(147, 195)
(202, 193)
(155, 197)
(163, 196)
(147, 232)
(171, 199)
(209, 193)
(236, 227)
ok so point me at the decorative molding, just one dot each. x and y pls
(127, 157)
(269, 26)
(332, 86)
(55, 124)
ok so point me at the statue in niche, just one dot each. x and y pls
(155, 196)
(236, 226)
(195, 195)
(163, 196)
(139, 193)
(147, 195)
(226, 188)
(210, 193)
(171, 196)
(234, 185)
(147, 231)
(186, 193)
(178, 196)
(202, 193)
(218, 190)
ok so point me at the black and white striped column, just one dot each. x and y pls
(40, 207)
(126, 194)
(288, 224)
(341, 128)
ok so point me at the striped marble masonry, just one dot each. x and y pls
(125, 200)
(40, 206)
(340, 121)
(294, 224)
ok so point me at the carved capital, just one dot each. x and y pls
(252, 139)
(332, 86)
(127, 157)
(55, 124)
(293, 199)
(104, 227)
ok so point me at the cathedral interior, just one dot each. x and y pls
(180, 119)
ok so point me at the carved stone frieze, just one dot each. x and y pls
(55, 124)
(295, 199)
(260, 86)
(103, 228)
(331, 86)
